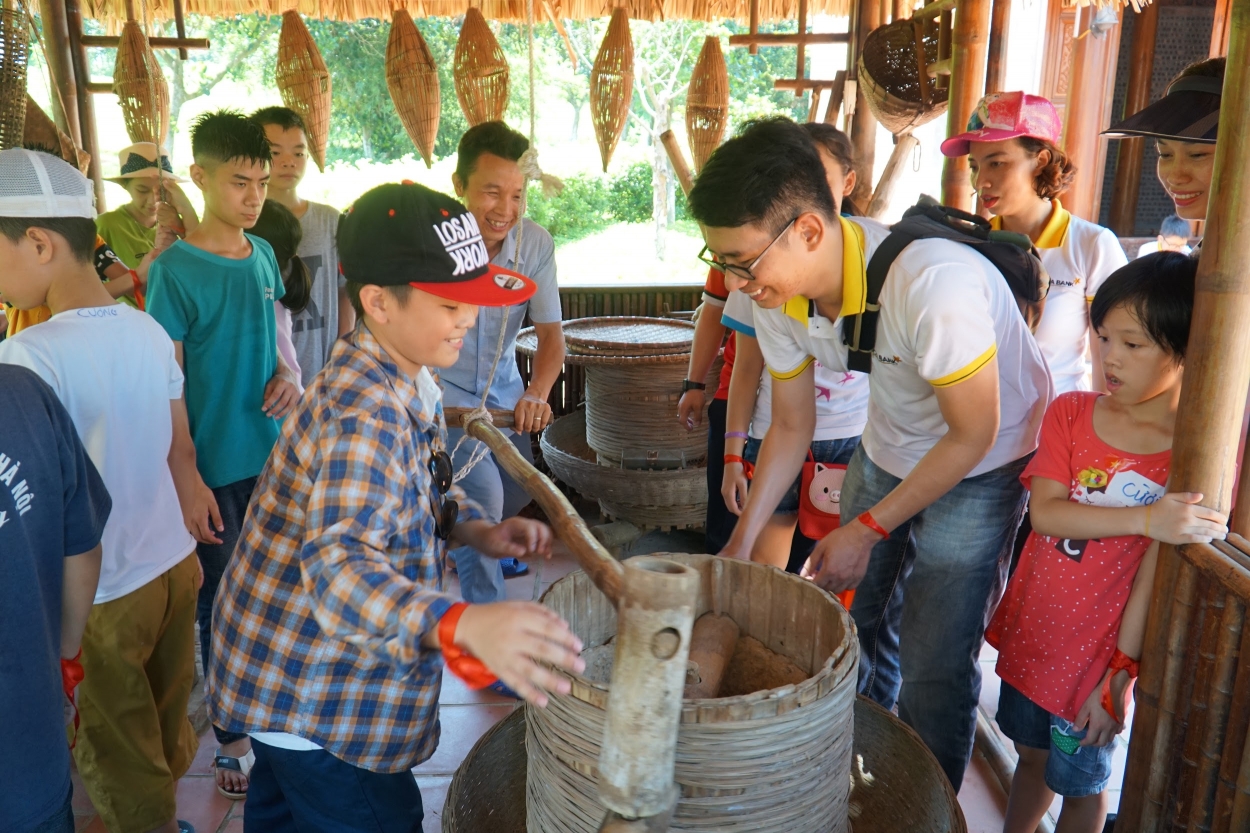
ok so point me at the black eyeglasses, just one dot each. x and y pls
(743, 272)
(448, 510)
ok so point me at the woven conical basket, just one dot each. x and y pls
(412, 79)
(612, 84)
(707, 102)
(141, 88)
(481, 71)
(889, 75)
(304, 81)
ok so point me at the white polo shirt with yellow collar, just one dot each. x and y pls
(945, 313)
(1078, 256)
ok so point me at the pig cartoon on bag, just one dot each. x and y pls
(825, 491)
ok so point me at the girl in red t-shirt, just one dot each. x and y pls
(1069, 628)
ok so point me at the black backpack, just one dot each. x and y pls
(1011, 253)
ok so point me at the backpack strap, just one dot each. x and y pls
(859, 332)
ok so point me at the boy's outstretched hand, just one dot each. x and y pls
(281, 395)
(513, 538)
(515, 639)
(1177, 518)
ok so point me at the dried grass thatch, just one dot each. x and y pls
(707, 102)
(141, 88)
(304, 81)
(14, 40)
(481, 71)
(612, 84)
(412, 79)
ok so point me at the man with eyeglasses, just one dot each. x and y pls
(957, 395)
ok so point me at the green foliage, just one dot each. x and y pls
(631, 194)
(581, 209)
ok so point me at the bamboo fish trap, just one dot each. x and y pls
(412, 79)
(14, 40)
(707, 102)
(481, 71)
(141, 88)
(304, 82)
(612, 84)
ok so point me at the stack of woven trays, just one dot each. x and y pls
(634, 369)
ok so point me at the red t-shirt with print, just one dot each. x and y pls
(715, 287)
(1057, 625)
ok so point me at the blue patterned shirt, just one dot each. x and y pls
(338, 572)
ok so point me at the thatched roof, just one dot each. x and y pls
(512, 11)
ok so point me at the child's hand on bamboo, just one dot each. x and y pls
(516, 641)
(1177, 518)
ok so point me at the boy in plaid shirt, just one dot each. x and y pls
(330, 621)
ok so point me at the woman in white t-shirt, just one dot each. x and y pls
(1019, 171)
(841, 398)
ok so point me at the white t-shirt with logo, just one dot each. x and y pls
(945, 313)
(114, 370)
(841, 396)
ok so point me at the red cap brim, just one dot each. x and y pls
(959, 145)
(499, 287)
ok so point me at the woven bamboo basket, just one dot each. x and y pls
(907, 791)
(481, 71)
(304, 82)
(41, 131)
(707, 102)
(412, 78)
(612, 84)
(141, 89)
(14, 41)
(889, 75)
(777, 760)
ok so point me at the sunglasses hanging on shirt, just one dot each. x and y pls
(447, 510)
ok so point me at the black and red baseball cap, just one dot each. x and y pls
(406, 233)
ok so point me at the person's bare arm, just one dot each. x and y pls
(1176, 518)
(199, 508)
(347, 313)
(119, 280)
(744, 386)
(533, 412)
(78, 586)
(709, 332)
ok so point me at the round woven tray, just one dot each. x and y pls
(889, 75)
(649, 499)
(619, 340)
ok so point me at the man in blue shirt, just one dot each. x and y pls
(490, 183)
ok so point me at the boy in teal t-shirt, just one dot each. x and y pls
(214, 294)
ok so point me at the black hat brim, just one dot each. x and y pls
(1183, 116)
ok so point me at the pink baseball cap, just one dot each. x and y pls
(1001, 116)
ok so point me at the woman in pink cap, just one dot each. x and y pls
(1019, 172)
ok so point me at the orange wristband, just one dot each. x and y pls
(747, 468)
(464, 665)
(869, 521)
(1120, 661)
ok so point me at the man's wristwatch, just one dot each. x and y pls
(686, 385)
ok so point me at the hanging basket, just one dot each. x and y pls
(612, 84)
(42, 133)
(14, 39)
(707, 102)
(304, 82)
(481, 71)
(889, 75)
(140, 87)
(412, 79)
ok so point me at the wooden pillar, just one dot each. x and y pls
(61, 68)
(969, 53)
(863, 124)
(1219, 31)
(996, 65)
(1089, 111)
(86, 107)
(1213, 397)
(1128, 160)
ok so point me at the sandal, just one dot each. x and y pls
(513, 567)
(243, 766)
(185, 827)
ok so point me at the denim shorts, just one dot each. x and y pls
(1085, 771)
(824, 451)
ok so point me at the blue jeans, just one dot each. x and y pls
(923, 606)
(299, 792)
(481, 577)
(1075, 772)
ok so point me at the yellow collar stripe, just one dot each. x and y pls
(797, 308)
(1055, 234)
(967, 371)
(854, 277)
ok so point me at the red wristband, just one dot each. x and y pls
(71, 675)
(464, 665)
(1120, 661)
(747, 468)
(869, 521)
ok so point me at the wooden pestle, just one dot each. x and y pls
(711, 647)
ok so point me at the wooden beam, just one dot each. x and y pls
(969, 52)
(86, 107)
(801, 54)
(180, 26)
(939, 68)
(100, 87)
(61, 68)
(804, 84)
(112, 42)
(754, 27)
(816, 38)
(902, 9)
(931, 10)
(863, 125)
(996, 63)
(1088, 113)
(1220, 28)
(1208, 421)
(1128, 160)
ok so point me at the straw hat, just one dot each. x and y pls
(143, 160)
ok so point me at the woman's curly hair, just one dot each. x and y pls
(1056, 176)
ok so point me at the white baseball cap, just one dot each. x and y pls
(34, 184)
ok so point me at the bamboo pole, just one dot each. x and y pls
(801, 55)
(863, 131)
(1234, 742)
(681, 169)
(970, 42)
(1220, 29)
(1093, 71)
(113, 41)
(1128, 161)
(996, 62)
(61, 68)
(86, 107)
(1211, 748)
(1193, 708)
(904, 147)
(1213, 399)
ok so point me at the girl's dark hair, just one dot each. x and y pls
(1157, 290)
(278, 227)
(838, 145)
(1056, 176)
(1210, 68)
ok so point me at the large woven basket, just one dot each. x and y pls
(612, 84)
(481, 71)
(707, 102)
(304, 82)
(889, 75)
(412, 79)
(14, 40)
(141, 89)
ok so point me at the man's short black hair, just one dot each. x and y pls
(79, 232)
(768, 174)
(488, 137)
(283, 117)
(1158, 291)
(226, 135)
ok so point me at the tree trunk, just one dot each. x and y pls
(660, 178)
